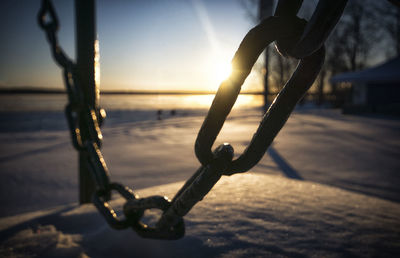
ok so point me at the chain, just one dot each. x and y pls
(77, 110)
(74, 110)
(294, 37)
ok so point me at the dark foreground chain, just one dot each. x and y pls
(294, 37)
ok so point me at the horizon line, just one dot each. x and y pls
(42, 90)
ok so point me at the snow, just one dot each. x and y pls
(244, 215)
(328, 187)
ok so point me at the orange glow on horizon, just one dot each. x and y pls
(206, 100)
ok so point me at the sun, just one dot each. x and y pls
(222, 71)
(221, 68)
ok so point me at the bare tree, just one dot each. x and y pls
(281, 70)
(388, 17)
(366, 26)
(264, 10)
(357, 40)
(358, 32)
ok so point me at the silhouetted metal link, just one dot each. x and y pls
(219, 163)
(321, 24)
(294, 37)
(286, 29)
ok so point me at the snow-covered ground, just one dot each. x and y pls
(328, 187)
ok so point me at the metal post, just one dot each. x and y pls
(85, 52)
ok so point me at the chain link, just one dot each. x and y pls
(316, 31)
(100, 201)
(294, 37)
(76, 111)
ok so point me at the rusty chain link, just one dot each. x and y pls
(294, 37)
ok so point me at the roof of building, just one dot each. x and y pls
(388, 72)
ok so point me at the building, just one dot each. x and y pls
(376, 89)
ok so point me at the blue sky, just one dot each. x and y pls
(144, 45)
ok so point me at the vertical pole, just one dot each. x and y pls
(85, 52)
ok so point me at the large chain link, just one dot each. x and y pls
(294, 37)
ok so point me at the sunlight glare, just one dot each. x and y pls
(204, 101)
(222, 71)
(221, 68)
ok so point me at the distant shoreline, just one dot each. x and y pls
(10, 90)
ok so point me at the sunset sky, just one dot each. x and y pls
(144, 45)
